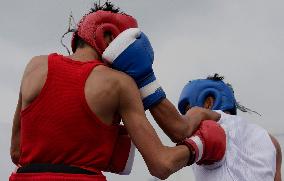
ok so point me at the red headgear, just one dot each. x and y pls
(92, 27)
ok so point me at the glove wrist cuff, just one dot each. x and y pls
(151, 91)
(195, 145)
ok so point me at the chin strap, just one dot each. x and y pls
(71, 29)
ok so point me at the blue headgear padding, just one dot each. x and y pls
(196, 92)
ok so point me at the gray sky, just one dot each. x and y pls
(242, 40)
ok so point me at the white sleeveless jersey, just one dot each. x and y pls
(250, 154)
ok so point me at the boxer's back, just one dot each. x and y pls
(101, 87)
(68, 105)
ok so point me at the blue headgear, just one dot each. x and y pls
(196, 92)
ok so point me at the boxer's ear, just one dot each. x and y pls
(209, 102)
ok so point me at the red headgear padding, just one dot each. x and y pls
(93, 26)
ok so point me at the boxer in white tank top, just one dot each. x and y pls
(251, 153)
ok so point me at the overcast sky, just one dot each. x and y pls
(242, 40)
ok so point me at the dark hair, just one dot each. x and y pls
(107, 6)
(215, 77)
(79, 42)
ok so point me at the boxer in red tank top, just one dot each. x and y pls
(67, 122)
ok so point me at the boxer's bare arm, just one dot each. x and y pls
(278, 158)
(26, 95)
(176, 126)
(161, 160)
(169, 119)
(15, 140)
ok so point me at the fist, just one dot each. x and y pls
(208, 143)
(131, 52)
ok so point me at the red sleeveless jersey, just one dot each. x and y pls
(59, 127)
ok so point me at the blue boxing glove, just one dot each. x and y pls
(131, 52)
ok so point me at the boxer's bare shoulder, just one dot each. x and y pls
(102, 90)
(34, 78)
(36, 64)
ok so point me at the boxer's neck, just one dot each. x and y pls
(85, 54)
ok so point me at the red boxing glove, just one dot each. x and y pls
(208, 143)
(123, 155)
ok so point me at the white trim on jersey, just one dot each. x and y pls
(130, 160)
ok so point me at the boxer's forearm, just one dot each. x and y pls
(169, 119)
(169, 160)
(179, 127)
(176, 158)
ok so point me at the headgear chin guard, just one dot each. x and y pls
(196, 92)
(93, 26)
